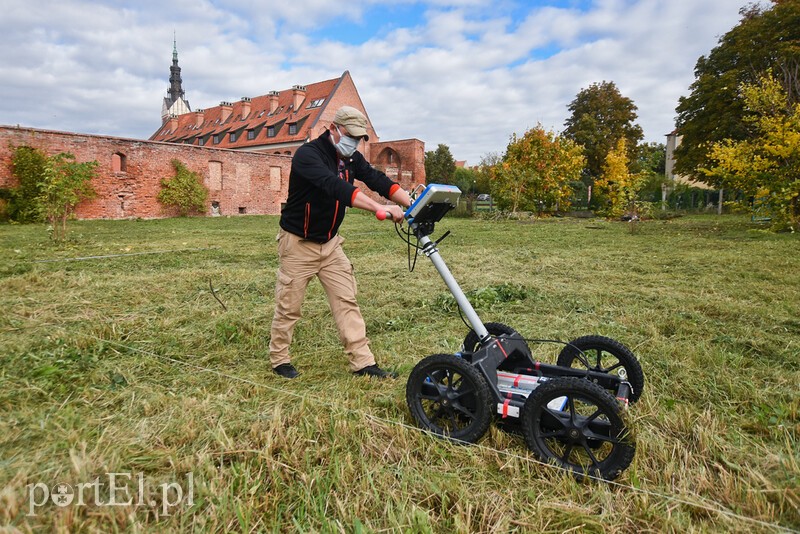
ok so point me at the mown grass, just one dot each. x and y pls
(129, 364)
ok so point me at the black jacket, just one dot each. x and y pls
(321, 188)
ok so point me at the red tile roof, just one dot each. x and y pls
(289, 125)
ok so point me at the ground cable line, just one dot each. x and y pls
(388, 422)
(105, 256)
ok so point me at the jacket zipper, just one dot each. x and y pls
(333, 223)
(307, 220)
(342, 176)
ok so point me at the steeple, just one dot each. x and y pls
(175, 88)
(175, 103)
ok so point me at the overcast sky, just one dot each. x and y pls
(466, 73)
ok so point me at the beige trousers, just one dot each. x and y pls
(300, 261)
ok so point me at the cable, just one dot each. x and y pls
(407, 239)
(106, 256)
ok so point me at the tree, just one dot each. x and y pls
(64, 184)
(536, 170)
(28, 166)
(440, 165)
(600, 117)
(651, 157)
(484, 172)
(49, 187)
(765, 166)
(764, 38)
(466, 180)
(617, 185)
(651, 163)
(185, 191)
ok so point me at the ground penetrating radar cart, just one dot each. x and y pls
(571, 414)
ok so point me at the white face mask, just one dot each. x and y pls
(346, 145)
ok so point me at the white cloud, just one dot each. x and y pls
(468, 75)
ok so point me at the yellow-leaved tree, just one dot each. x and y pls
(766, 166)
(617, 185)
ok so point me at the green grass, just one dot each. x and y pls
(128, 364)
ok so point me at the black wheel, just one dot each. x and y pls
(449, 397)
(577, 425)
(472, 344)
(471, 341)
(605, 355)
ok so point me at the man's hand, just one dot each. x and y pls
(395, 211)
(365, 203)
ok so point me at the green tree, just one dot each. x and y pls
(64, 184)
(651, 157)
(28, 166)
(440, 165)
(600, 117)
(765, 166)
(618, 186)
(765, 38)
(484, 172)
(536, 171)
(466, 180)
(184, 192)
(651, 163)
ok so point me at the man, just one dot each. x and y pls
(320, 189)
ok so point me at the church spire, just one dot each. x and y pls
(175, 102)
(175, 81)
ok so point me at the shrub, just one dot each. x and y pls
(63, 185)
(184, 192)
(28, 166)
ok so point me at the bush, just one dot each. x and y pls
(49, 188)
(28, 165)
(63, 185)
(184, 192)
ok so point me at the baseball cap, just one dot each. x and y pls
(353, 121)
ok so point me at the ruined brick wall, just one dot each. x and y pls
(130, 173)
(402, 161)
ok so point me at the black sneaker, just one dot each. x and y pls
(374, 370)
(286, 370)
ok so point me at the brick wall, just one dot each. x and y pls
(130, 173)
(402, 161)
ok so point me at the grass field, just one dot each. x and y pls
(128, 365)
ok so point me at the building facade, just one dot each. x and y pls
(241, 150)
(130, 171)
(281, 121)
(673, 142)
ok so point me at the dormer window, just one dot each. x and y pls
(270, 131)
(233, 137)
(251, 134)
(216, 139)
(293, 129)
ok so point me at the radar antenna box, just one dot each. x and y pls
(433, 203)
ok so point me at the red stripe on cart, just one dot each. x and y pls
(502, 349)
